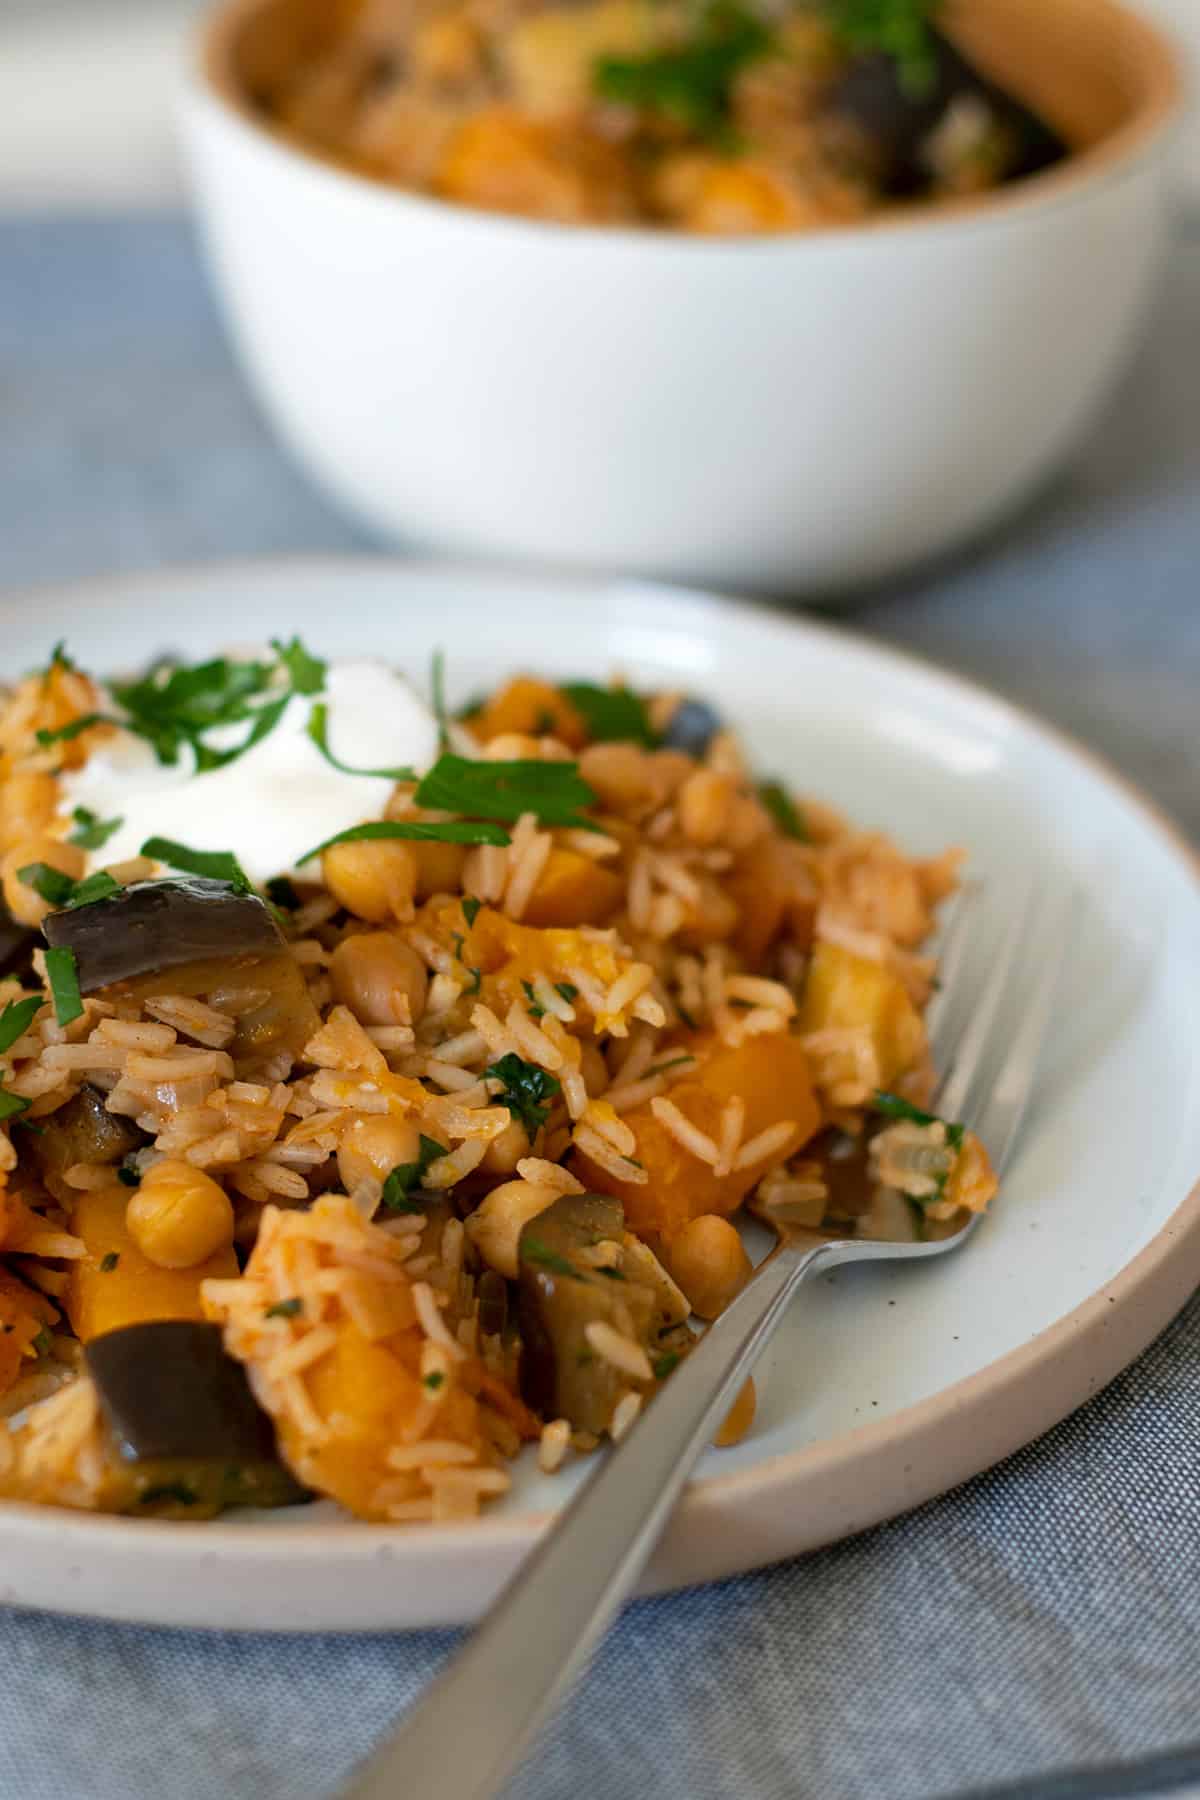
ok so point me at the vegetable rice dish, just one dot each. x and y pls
(714, 116)
(379, 1085)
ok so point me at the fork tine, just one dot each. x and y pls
(1005, 1104)
(949, 1012)
(961, 1083)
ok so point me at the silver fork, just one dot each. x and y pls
(466, 1733)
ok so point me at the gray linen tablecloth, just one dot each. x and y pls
(1044, 1615)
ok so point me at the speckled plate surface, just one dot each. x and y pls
(885, 1386)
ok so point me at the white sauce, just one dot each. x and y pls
(278, 800)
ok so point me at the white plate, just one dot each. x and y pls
(885, 1386)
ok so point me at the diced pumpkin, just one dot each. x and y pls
(844, 991)
(367, 1393)
(772, 891)
(574, 890)
(973, 1182)
(770, 1073)
(530, 708)
(24, 1313)
(103, 1295)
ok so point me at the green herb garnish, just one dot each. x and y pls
(216, 865)
(59, 660)
(676, 1062)
(62, 974)
(568, 992)
(281, 893)
(285, 1309)
(42, 1343)
(663, 1364)
(527, 1090)
(612, 715)
(53, 886)
(91, 832)
(533, 1250)
(418, 831)
(783, 810)
(168, 1490)
(471, 909)
(109, 1261)
(894, 1106)
(317, 730)
(65, 733)
(437, 690)
(12, 1104)
(690, 84)
(534, 1009)
(899, 29)
(129, 1175)
(476, 983)
(99, 886)
(175, 704)
(406, 1176)
(16, 1019)
(433, 1381)
(306, 673)
(553, 791)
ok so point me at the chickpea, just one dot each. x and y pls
(374, 1145)
(446, 51)
(705, 802)
(179, 1216)
(739, 1418)
(374, 878)
(27, 803)
(622, 776)
(749, 822)
(439, 868)
(495, 1226)
(708, 1262)
(505, 1152)
(379, 978)
(25, 903)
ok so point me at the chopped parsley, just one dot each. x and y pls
(534, 1009)
(217, 865)
(109, 1261)
(471, 908)
(676, 1062)
(553, 791)
(175, 704)
(437, 690)
(76, 728)
(533, 1250)
(12, 1104)
(99, 886)
(611, 1273)
(59, 660)
(91, 832)
(612, 715)
(526, 1090)
(285, 1309)
(129, 1175)
(473, 987)
(16, 1019)
(41, 1343)
(898, 29)
(664, 1364)
(168, 1490)
(406, 1176)
(52, 884)
(783, 810)
(62, 973)
(433, 1381)
(689, 84)
(420, 831)
(317, 730)
(305, 672)
(281, 893)
(568, 992)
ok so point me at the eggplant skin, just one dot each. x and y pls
(186, 1432)
(894, 123)
(83, 1131)
(156, 925)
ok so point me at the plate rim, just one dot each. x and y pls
(975, 1418)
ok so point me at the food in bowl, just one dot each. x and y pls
(722, 117)
(379, 1088)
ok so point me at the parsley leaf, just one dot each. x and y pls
(217, 865)
(53, 886)
(534, 1009)
(471, 909)
(437, 690)
(527, 1090)
(281, 893)
(62, 974)
(612, 715)
(59, 660)
(66, 733)
(783, 810)
(406, 1176)
(532, 1250)
(99, 886)
(420, 831)
(285, 1309)
(42, 1343)
(16, 1019)
(317, 730)
(433, 1381)
(176, 703)
(568, 991)
(664, 1364)
(305, 672)
(91, 832)
(553, 791)
(689, 84)
(12, 1104)
(899, 29)
(109, 1261)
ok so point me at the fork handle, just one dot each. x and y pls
(466, 1733)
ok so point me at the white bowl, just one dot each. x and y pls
(800, 414)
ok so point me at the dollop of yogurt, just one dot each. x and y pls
(278, 800)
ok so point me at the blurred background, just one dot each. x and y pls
(74, 141)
